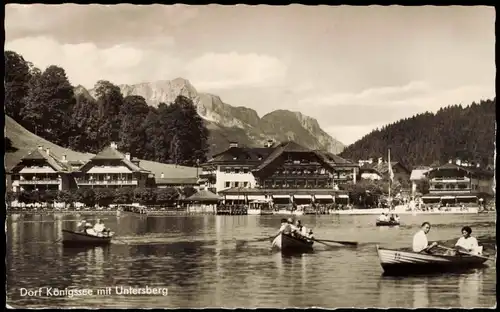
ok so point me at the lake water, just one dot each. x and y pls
(203, 262)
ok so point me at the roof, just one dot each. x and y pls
(381, 168)
(111, 153)
(418, 174)
(337, 160)
(50, 158)
(242, 155)
(289, 146)
(204, 195)
(473, 170)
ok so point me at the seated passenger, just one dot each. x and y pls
(467, 243)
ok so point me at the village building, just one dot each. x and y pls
(111, 169)
(454, 184)
(41, 170)
(379, 170)
(285, 174)
(417, 176)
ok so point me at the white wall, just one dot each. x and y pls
(223, 177)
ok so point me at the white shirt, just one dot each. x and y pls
(99, 227)
(420, 241)
(382, 218)
(285, 228)
(304, 231)
(469, 244)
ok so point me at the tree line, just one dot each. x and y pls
(45, 103)
(103, 196)
(428, 139)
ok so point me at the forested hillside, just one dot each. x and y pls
(45, 103)
(461, 132)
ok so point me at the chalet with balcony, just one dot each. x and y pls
(454, 183)
(285, 173)
(41, 170)
(111, 168)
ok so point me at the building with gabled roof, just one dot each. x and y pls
(41, 170)
(112, 168)
(277, 172)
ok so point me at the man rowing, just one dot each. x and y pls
(100, 229)
(83, 226)
(285, 228)
(420, 242)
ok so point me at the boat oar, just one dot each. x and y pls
(240, 243)
(334, 241)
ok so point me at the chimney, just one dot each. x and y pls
(40, 148)
(379, 160)
(64, 159)
(233, 144)
(458, 162)
(113, 145)
(162, 175)
(269, 143)
(477, 166)
(48, 151)
(370, 161)
(450, 161)
(127, 155)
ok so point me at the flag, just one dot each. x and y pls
(391, 173)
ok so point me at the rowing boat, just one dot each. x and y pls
(386, 223)
(287, 243)
(403, 262)
(71, 238)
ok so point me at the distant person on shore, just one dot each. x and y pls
(420, 242)
(467, 243)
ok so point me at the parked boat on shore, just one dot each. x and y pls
(403, 262)
(289, 244)
(78, 239)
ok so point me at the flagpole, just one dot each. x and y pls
(390, 178)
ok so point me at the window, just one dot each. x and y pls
(245, 170)
(245, 184)
(236, 170)
(228, 170)
(228, 184)
(236, 184)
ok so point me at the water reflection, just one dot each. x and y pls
(469, 288)
(198, 259)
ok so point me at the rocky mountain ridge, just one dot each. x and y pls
(231, 123)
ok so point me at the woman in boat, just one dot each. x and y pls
(383, 217)
(420, 242)
(467, 243)
(310, 236)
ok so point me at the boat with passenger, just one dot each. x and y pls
(79, 239)
(407, 262)
(292, 244)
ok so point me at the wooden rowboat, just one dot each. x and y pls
(71, 238)
(289, 244)
(387, 223)
(403, 262)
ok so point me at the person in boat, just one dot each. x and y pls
(285, 227)
(292, 226)
(301, 231)
(83, 226)
(99, 228)
(420, 242)
(310, 236)
(392, 218)
(396, 218)
(383, 217)
(467, 243)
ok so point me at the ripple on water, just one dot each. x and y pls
(200, 261)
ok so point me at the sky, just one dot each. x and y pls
(352, 68)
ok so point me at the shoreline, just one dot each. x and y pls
(375, 211)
